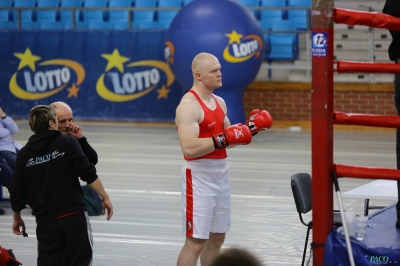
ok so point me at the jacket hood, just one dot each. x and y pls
(41, 141)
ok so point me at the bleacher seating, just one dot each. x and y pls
(93, 19)
(27, 16)
(252, 4)
(143, 19)
(300, 17)
(165, 17)
(46, 17)
(282, 46)
(268, 17)
(119, 19)
(66, 15)
(185, 2)
(6, 20)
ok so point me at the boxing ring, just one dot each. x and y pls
(324, 170)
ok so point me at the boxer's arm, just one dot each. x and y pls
(227, 122)
(188, 114)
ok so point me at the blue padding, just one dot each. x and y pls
(381, 244)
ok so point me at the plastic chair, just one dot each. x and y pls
(273, 12)
(251, 3)
(185, 2)
(48, 3)
(145, 3)
(95, 3)
(269, 17)
(301, 184)
(26, 15)
(66, 16)
(94, 15)
(169, 3)
(299, 16)
(6, 3)
(283, 46)
(119, 19)
(144, 18)
(47, 15)
(165, 17)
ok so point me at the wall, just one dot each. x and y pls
(290, 102)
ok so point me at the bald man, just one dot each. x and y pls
(68, 127)
(204, 133)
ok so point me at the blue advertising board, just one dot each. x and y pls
(102, 75)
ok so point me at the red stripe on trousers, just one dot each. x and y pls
(189, 203)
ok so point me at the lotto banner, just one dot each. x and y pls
(107, 76)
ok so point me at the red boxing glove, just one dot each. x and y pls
(235, 134)
(259, 120)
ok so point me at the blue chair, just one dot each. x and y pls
(268, 17)
(66, 15)
(251, 3)
(283, 46)
(97, 16)
(6, 3)
(145, 3)
(119, 19)
(185, 2)
(169, 3)
(95, 3)
(300, 16)
(48, 3)
(144, 18)
(278, 4)
(165, 17)
(5, 20)
(27, 16)
(47, 15)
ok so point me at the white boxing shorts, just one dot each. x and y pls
(206, 198)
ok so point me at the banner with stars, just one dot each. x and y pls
(105, 76)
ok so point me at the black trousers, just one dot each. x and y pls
(397, 104)
(65, 242)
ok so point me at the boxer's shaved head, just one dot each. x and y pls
(201, 61)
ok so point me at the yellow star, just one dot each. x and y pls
(73, 91)
(163, 93)
(234, 37)
(115, 60)
(27, 59)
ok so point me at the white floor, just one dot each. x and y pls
(140, 165)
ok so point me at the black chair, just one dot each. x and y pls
(301, 187)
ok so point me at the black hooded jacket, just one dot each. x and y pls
(392, 7)
(46, 174)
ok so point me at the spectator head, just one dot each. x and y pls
(42, 117)
(236, 257)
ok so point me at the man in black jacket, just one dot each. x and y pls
(67, 127)
(46, 175)
(392, 7)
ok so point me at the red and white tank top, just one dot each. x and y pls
(212, 124)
